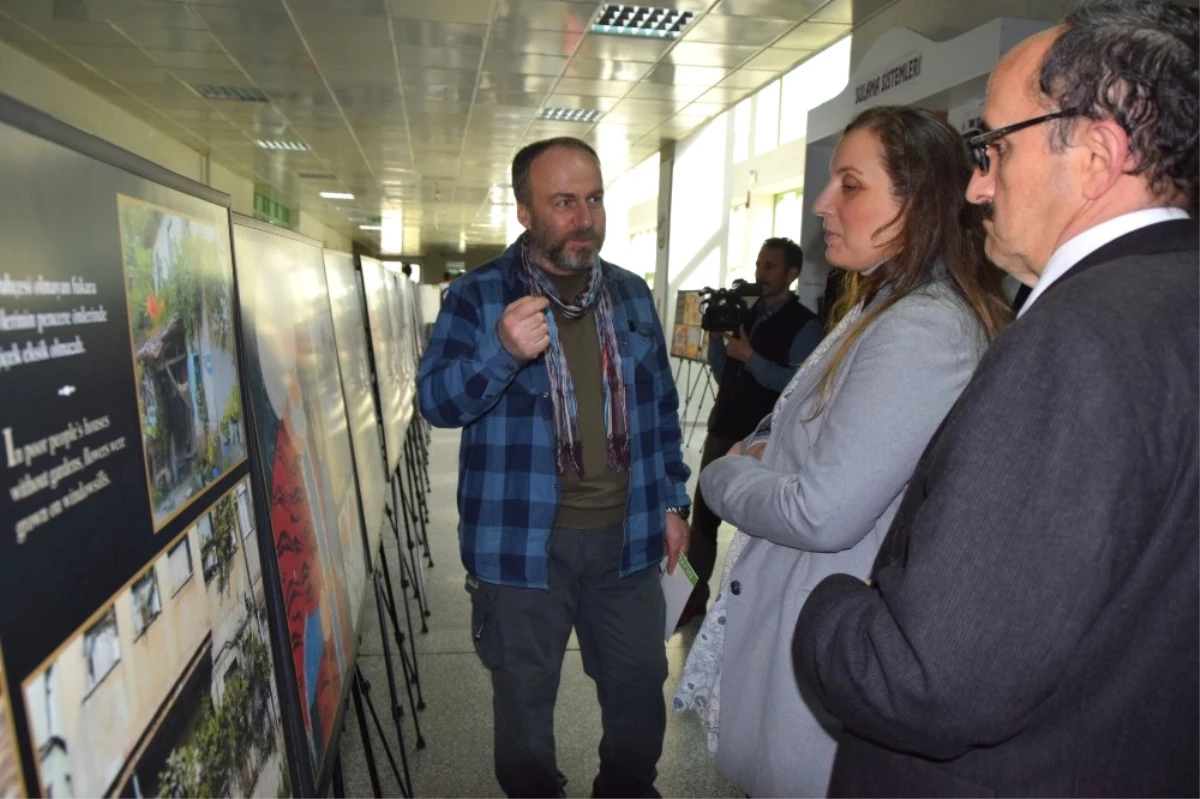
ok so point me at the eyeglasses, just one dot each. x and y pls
(980, 141)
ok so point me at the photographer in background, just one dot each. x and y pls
(752, 369)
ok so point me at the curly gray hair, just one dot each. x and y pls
(1135, 62)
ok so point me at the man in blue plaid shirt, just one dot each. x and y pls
(571, 478)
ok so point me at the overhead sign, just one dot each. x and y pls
(897, 74)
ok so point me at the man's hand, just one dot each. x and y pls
(678, 536)
(524, 332)
(739, 348)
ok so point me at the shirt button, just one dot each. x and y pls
(547, 394)
(735, 588)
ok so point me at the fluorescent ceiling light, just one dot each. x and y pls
(370, 227)
(657, 23)
(586, 115)
(282, 144)
(337, 195)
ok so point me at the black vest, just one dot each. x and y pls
(742, 401)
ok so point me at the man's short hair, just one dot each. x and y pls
(529, 153)
(793, 256)
(1135, 62)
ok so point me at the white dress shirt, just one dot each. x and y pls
(1092, 239)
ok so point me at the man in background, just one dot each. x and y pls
(751, 368)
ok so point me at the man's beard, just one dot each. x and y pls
(555, 251)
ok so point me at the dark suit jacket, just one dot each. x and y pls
(1034, 624)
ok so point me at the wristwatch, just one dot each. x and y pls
(682, 511)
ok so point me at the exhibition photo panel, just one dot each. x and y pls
(303, 445)
(135, 624)
(384, 344)
(354, 359)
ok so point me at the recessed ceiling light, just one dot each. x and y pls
(282, 144)
(587, 115)
(370, 227)
(656, 23)
(244, 94)
(337, 195)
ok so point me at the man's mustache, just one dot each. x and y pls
(987, 211)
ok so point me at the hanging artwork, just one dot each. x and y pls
(138, 657)
(299, 416)
(349, 323)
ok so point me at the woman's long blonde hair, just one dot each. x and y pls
(929, 168)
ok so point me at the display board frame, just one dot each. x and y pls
(689, 341)
(316, 777)
(223, 489)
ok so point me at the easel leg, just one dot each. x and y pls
(372, 770)
(412, 673)
(400, 503)
(414, 557)
(339, 785)
(397, 709)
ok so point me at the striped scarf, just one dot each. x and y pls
(568, 446)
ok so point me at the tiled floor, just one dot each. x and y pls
(457, 723)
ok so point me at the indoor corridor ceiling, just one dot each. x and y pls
(415, 107)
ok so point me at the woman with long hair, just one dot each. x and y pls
(814, 489)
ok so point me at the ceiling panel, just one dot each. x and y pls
(841, 11)
(422, 33)
(419, 104)
(688, 76)
(606, 69)
(454, 11)
(813, 36)
(742, 30)
(704, 54)
(748, 79)
(795, 10)
(777, 59)
(624, 48)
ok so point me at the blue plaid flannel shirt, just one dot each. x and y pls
(508, 486)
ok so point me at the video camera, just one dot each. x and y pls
(724, 309)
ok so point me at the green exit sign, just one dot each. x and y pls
(267, 208)
(374, 220)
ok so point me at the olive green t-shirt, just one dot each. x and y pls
(598, 498)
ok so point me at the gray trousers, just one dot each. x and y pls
(521, 635)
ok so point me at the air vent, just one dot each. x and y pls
(316, 175)
(282, 144)
(241, 94)
(587, 115)
(645, 21)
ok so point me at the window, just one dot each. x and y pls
(208, 556)
(243, 510)
(735, 256)
(102, 648)
(742, 114)
(766, 119)
(179, 565)
(787, 215)
(147, 603)
(813, 83)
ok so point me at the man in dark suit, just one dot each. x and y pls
(1032, 625)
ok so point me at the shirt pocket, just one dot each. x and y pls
(640, 351)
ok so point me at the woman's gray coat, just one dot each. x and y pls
(818, 503)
